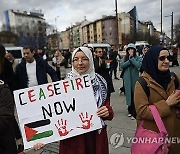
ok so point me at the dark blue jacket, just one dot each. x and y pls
(42, 69)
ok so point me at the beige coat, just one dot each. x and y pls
(157, 97)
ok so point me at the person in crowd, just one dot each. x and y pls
(175, 56)
(7, 141)
(140, 50)
(58, 62)
(7, 75)
(144, 51)
(42, 54)
(67, 57)
(114, 56)
(33, 70)
(12, 60)
(130, 64)
(161, 85)
(122, 89)
(95, 142)
(102, 67)
(6, 70)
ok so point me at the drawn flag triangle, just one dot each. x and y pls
(29, 132)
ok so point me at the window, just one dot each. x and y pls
(39, 22)
(19, 20)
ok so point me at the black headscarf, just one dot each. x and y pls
(150, 66)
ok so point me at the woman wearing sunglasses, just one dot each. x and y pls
(161, 85)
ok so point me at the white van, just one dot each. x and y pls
(104, 46)
(140, 46)
(17, 52)
(141, 43)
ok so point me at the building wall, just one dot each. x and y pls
(91, 33)
(125, 22)
(127, 28)
(110, 31)
(99, 31)
(143, 31)
(31, 30)
(76, 36)
(150, 27)
(119, 31)
(65, 40)
(85, 34)
(142, 27)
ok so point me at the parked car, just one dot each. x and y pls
(17, 52)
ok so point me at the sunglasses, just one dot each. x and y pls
(162, 58)
(99, 51)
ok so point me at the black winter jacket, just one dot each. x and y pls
(7, 75)
(104, 72)
(7, 138)
(42, 69)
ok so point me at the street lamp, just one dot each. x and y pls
(171, 26)
(161, 17)
(56, 23)
(56, 31)
(117, 24)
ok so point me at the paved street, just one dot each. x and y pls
(119, 129)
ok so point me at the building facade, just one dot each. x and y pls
(127, 28)
(119, 31)
(29, 27)
(103, 30)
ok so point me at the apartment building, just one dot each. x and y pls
(30, 27)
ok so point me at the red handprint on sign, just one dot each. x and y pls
(85, 120)
(61, 127)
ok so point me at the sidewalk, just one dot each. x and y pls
(121, 126)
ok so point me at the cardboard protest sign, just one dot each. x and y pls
(56, 111)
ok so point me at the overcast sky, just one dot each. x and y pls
(69, 12)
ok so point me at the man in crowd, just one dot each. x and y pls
(114, 56)
(33, 70)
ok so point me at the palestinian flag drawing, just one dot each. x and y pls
(32, 134)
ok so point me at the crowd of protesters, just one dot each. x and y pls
(102, 65)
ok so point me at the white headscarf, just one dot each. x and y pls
(88, 53)
(98, 82)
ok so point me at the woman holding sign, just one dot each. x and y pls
(95, 142)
